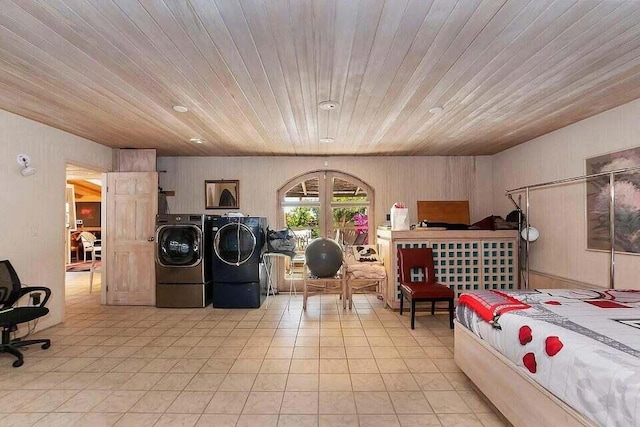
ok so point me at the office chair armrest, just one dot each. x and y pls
(28, 289)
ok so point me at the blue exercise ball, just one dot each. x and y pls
(323, 257)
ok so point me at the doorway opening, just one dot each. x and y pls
(83, 231)
(325, 203)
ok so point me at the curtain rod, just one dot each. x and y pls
(575, 178)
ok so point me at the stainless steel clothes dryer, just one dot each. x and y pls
(181, 277)
(235, 256)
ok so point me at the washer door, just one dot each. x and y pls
(234, 243)
(178, 245)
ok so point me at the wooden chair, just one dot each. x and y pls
(335, 284)
(427, 289)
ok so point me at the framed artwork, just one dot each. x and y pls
(222, 194)
(627, 202)
(88, 213)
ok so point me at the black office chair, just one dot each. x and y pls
(11, 291)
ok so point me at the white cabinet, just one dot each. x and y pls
(465, 260)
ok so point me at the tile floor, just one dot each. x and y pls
(143, 366)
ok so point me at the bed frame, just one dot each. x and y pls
(520, 399)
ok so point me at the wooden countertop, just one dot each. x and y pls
(426, 233)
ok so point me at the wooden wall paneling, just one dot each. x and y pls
(252, 72)
(245, 64)
(84, 66)
(150, 44)
(414, 86)
(135, 160)
(508, 42)
(260, 30)
(278, 22)
(423, 93)
(301, 17)
(348, 16)
(324, 13)
(369, 17)
(212, 68)
(388, 25)
(551, 60)
(618, 58)
(398, 58)
(426, 63)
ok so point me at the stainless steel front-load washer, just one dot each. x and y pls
(181, 277)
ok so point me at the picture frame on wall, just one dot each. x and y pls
(627, 202)
(222, 194)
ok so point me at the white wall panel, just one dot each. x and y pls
(32, 218)
(395, 179)
(560, 212)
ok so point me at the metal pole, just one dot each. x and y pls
(527, 238)
(612, 230)
(520, 269)
(575, 178)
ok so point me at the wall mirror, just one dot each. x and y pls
(222, 194)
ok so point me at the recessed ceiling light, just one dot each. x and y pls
(326, 140)
(435, 110)
(329, 105)
(180, 108)
(197, 140)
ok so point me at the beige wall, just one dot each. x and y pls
(32, 208)
(395, 179)
(559, 212)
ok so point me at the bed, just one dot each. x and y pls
(554, 357)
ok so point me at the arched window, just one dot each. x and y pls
(327, 203)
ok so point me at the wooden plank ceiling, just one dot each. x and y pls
(252, 72)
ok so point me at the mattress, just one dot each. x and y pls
(581, 345)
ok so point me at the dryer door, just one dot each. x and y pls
(179, 245)
(234, 243)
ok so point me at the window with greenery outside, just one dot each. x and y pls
(303, 217)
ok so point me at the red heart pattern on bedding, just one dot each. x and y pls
(524, 335)
(552, 345)
(529, 361)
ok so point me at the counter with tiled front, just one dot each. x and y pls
(464, 259)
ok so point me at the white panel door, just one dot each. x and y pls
(132, 203)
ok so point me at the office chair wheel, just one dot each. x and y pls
(46, 345)
(18, 363)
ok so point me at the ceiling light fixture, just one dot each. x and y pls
(436, 110)
(180, 108)
(326, 140)
(329, 105)
(197, 140)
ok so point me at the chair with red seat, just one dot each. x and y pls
(427, 289)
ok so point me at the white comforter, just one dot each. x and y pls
(582, 345)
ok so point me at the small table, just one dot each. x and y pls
(312, 281)
(269, 258)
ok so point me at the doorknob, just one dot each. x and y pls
(151, 239)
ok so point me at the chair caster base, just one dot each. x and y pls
(18, 363)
